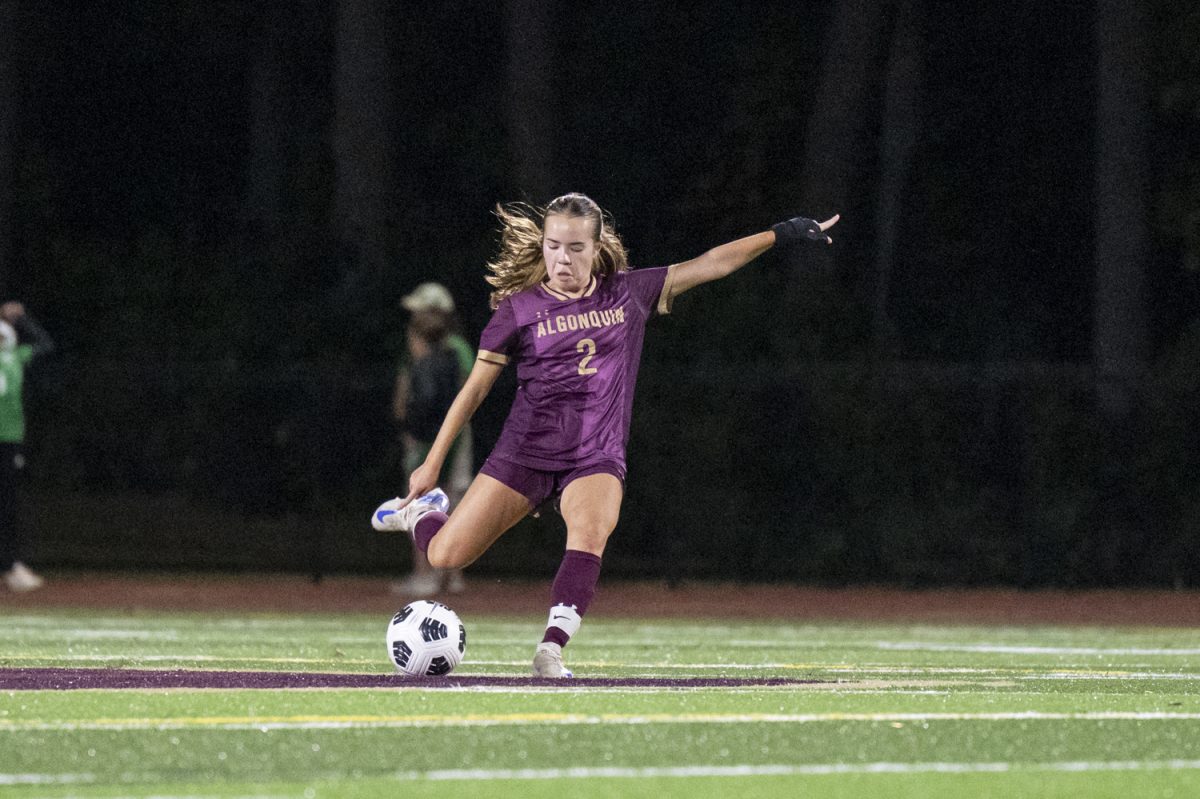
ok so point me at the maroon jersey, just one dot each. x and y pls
(577, 362)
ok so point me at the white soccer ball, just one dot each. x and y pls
(426, 639)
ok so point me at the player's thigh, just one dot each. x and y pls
(590, 506)
(487, 510)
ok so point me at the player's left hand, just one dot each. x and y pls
(422, 480)
(801, 228)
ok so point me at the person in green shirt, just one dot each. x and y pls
(21, 340)
(431, 370)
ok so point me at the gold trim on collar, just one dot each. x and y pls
(558, 295)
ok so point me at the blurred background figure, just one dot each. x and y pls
(21, 340)
(433, 366)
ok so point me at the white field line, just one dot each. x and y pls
(305, 622)
(98, 634)
(191, 659)
(816, 769)
(648, 670)
(695, 772)
(936, 646)
(1114, 675)
(45, 779)
(874, 668)
(274, 723)
(83, 779)
(1013, 649)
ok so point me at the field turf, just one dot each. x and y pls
(875, 710)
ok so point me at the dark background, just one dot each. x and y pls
(992, 377)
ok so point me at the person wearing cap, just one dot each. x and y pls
(21, 340)
(436, 354)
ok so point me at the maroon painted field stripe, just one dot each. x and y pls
(58, 679)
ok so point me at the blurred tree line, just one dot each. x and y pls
(215, 207)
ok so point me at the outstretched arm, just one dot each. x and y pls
(15, 314)
(726, 259)
(479, 384)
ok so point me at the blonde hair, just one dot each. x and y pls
(520, 264)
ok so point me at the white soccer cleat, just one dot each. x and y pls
(20, 579)
(391, 518)
(548, 661)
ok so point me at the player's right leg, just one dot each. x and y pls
(590, 505)
(487, 510)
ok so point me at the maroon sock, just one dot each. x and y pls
(427, 528)
(572, 592)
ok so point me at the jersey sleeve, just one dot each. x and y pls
(499, 338)
(652, 288)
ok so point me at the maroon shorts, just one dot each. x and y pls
(538, 486)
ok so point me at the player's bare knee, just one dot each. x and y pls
(443, 555)
(589, 537)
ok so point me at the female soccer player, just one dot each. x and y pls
(571, 315)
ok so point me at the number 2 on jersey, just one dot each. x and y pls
(589, 346)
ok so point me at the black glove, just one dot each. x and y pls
(797, 229)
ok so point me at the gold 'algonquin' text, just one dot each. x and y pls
(581, 321)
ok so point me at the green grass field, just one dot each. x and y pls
(900, 711)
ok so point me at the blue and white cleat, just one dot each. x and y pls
(548, 661)
(391, 518)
